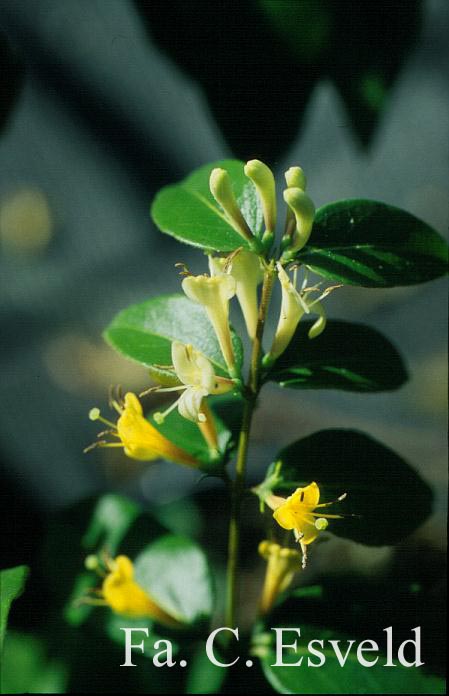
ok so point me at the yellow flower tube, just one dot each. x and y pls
(125, 597)
(139, 439)
(282, 564)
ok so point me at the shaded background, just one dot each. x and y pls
(102, 103)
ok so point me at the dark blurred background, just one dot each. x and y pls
(105, 101)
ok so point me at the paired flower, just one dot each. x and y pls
(124, 595)
(246, 269)
(282, 564)
(214, 293)
(139, 439)
(299, 513)
(293, 307)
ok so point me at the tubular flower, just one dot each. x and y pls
(298, 513)
(304, 212)
(263, 179)
(246, 269)
(214, 294)
(139, 439)
(282, 564)
(293, 307)
(221, 188)
(198, 380)
(124, 596)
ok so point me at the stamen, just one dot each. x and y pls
(159, 416)
(150, 390)
(95, 414)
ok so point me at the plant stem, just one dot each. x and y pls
(238, 485)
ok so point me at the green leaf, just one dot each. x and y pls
(362, 242)
(12, 583)
(203, 676)
(144, 332)
(112, 516)
(189, 212)
(187, 435)
(331, 678)
(175, 572)
(345, 356)
(387, 497)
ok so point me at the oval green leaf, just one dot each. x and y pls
(362, 242)
(386, 499)
(144, 332)
(174, 570)
(189, 212)
(347, 356)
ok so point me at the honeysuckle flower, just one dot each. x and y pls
(304, 211)
(124, 596)
(263, 179)
(214, 293)
(295, 178)
(198, 380)
(299, 513)
(293, 307)
(220, 185)
(282, 564)
(246, 269)
(139, 439)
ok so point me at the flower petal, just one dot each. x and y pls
(189, 404)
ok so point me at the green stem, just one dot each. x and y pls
(238, 485)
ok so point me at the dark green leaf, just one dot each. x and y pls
(188, 211)
(26, 668)
(387, 497)
(346, 356)
(144, 332)
(12, 583)
(331, 678)
(361, 242)
(175, 572)
(203, 676)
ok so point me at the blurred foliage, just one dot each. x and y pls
(258, 61)
(11, 72)
(337, 611)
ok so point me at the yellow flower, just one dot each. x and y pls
(294, 305)
(282, 564)
(214, 293)
(124, 596)
(139, 439)
(198, 380)
(246, 269)
(298, 513)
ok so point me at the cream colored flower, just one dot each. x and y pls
(304, 211)
(214, 293)
(198, 380)
(246, 269)
(263, 179)
(293, 307)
